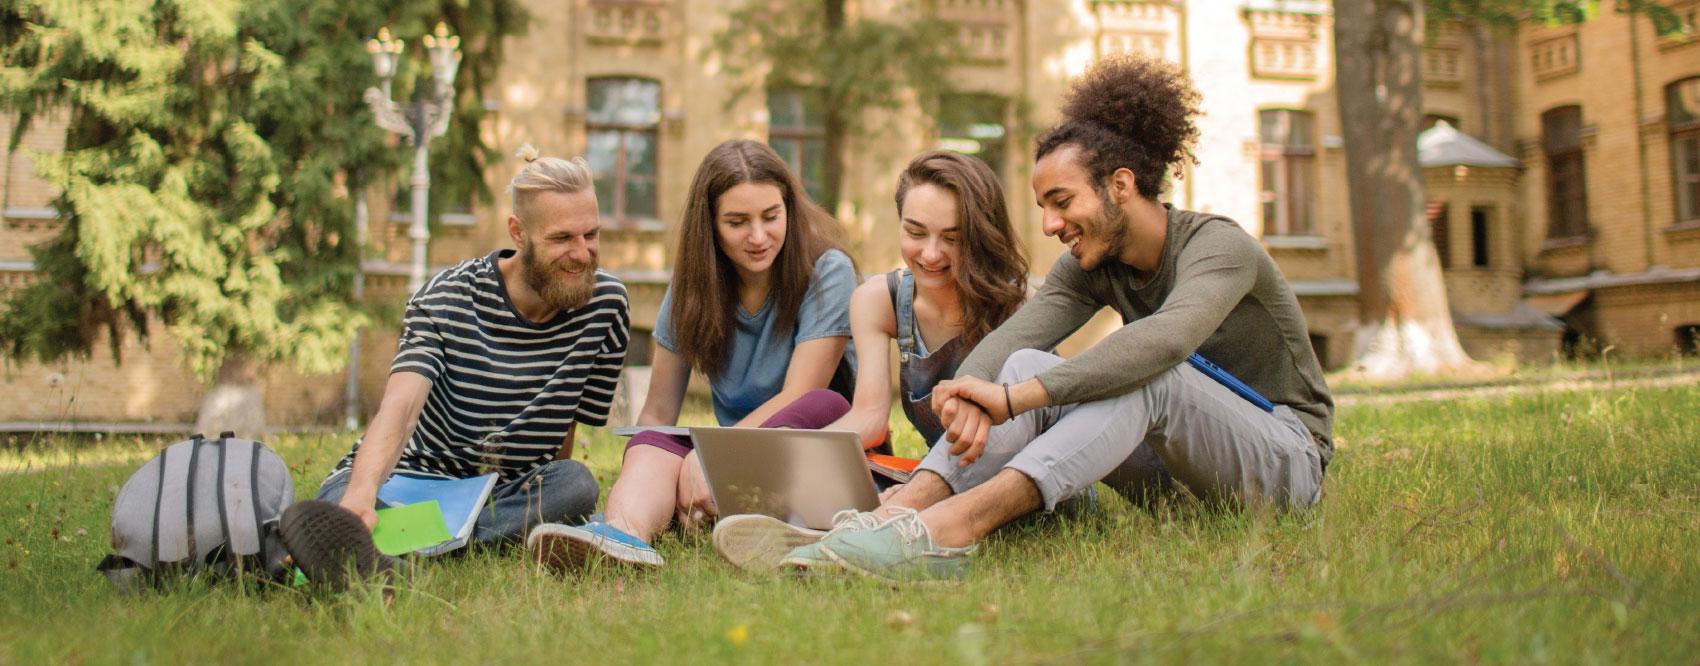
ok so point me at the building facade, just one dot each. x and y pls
(1579, 225)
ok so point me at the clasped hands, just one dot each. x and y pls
(969, 407)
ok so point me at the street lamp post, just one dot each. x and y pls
(418, 121)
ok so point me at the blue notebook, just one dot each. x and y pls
(459, 499)
(1233, 383)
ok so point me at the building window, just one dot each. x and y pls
(1432, 119)
(1287, 190)
(1480, 216)
(1567, 188)
(1688, 339)
(1440, 228)
(1682, 114)
(797, 131)
(621, 125)
(974, 125)
(1319, 345)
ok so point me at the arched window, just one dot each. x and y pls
(1567, 182)
(1682, 114)
(621, 123)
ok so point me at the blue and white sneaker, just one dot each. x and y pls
(568, 549)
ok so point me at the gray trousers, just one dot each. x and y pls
(559, 491)
(1182, 428)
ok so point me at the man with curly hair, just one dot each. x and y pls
(1029, 429)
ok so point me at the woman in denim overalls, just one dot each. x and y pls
(965, 274)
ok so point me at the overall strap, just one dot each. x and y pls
(901, 284)
(891, 284)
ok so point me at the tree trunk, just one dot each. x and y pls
(1404, 324)
(235, 403)
(832, 167)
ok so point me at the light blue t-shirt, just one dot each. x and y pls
(756, 364)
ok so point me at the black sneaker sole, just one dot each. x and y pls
(329, 543)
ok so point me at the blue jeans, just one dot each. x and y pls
(559, 491)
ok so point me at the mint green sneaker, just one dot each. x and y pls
(810, 557)
(899, 550)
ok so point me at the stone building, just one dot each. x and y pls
(1564, 175)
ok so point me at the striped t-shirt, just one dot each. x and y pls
(504, 390)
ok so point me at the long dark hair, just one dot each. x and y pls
(992, 275)
(705, 283)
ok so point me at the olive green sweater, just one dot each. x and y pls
(1216, 292)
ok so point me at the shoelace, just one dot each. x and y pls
(908, 524)
(851, 519)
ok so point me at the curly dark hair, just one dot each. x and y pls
(1128, 111)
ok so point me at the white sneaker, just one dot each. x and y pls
(754, 542)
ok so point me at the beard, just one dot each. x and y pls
(1110, 227)
(559, 290)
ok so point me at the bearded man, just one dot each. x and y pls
(500, 358)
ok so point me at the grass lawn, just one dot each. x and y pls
(1560, 526)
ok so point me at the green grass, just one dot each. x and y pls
(1558, 526)
(1506, 371)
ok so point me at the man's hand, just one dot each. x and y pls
(362, 509)
(991, 398)
(970, 406)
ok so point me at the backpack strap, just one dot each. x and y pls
(241, 530)
(223, 515)
(172, 536)
(254, 489)
(189, 497)
(158, 500)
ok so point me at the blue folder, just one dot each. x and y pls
(460, 499)
(1233, 383)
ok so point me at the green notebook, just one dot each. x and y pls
(410, 527)
(404, 529)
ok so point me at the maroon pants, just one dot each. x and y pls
(815, 410)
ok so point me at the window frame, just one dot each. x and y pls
(1292, 160)
(1683, 136)
(1567, 209)
(810, 139)
(618, 210)
(1481, 237)
(1439, 214)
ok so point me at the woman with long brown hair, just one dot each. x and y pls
(964, 274)
(759, 304)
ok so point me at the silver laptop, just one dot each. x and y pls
(802, 477)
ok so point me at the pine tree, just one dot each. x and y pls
(206, 168)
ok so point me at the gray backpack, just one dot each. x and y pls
(201, 506)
